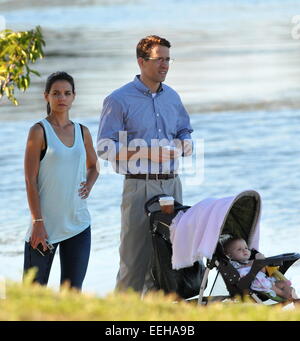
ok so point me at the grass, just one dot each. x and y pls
(31, 302)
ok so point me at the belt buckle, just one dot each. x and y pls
(152, 176)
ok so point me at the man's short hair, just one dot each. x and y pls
(145, 45)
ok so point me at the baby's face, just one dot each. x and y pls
(239, 251)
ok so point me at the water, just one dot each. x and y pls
(251, 150)
(230, 55)
(237, 71)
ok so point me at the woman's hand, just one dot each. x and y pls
(84, 190)
(38, 235)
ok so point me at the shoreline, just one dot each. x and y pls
(11, 113)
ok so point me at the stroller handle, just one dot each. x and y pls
(284, 257)
(155, 199)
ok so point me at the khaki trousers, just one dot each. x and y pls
(136, 245)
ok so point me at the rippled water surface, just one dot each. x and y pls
(237, 71)
(229, 54)
(251, 150)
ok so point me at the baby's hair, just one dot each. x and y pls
(228, 243)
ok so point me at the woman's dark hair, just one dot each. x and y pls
(58, 76)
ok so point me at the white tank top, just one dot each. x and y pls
(61, 171)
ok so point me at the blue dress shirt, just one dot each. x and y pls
(132, 117)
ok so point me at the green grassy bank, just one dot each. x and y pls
(27, 302)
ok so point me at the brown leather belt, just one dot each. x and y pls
(151, 176)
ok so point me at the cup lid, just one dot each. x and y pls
(170, 147)
(164, 199)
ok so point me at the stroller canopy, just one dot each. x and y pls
(195, 233)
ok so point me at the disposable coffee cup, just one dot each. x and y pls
(169, 147)
(174, 151)
(167, 204)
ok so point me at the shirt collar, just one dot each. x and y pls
(142, 87)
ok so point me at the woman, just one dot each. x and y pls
(60, 171)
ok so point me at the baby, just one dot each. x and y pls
(238, 252)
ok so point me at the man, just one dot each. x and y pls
(143, 130)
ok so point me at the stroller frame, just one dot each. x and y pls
(241, 220)
(185, 282)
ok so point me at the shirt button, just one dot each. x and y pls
(159, 130)
(157, 115)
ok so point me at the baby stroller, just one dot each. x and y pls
(184, 282)
(202, 235)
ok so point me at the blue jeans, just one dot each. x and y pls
(74, 257)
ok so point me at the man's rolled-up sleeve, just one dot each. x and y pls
(184, 129)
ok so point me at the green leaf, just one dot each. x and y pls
(35, 72)
(17, 51)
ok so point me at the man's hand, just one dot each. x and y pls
(187, 147)
(155, 154)
(163, 154)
